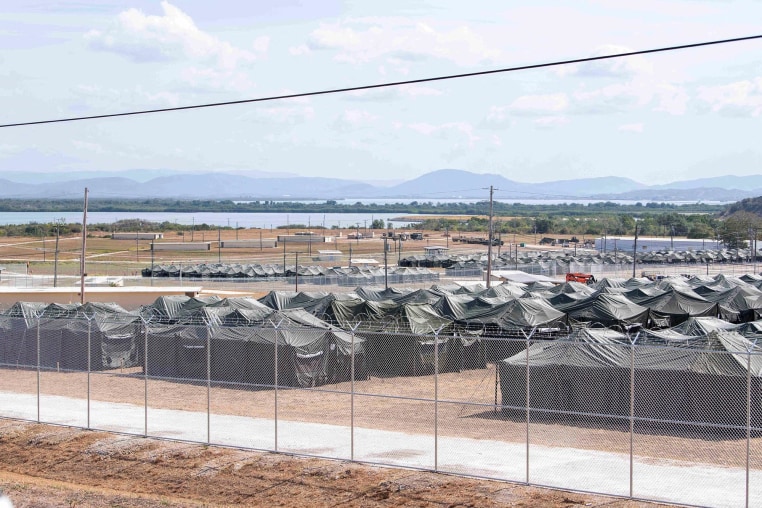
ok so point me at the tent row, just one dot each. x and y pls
(354, 275)
(547, 259)
(595, 373)
(625, 304)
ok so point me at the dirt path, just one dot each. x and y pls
(50, 466)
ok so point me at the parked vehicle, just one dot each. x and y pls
(584, 278)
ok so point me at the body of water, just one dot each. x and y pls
(242, 220)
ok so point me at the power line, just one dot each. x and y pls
(388, 84)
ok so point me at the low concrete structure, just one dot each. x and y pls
(329, 255)
(304, 239)
(184, 246)
(137, 236)
(266, 243)
(435, 251)
(363, 262)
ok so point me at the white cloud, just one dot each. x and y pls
(401, 42)
(106, 99)
(549, 122)
(671, 99)
(531, 105)
(497, 116)
(171, 36)
(289, 115)
(203, 79)
(631, 127)
(613, 68)
(418, 91)
(742, 98)
(456, 131)
(354, 119)
(300, 50)
(392, 93)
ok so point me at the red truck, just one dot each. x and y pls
(584, 278)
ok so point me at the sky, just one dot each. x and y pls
(656, 119)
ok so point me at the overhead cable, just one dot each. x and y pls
(388, 84)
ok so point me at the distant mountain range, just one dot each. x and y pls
(440, 184)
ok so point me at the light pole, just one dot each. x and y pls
(55, 261)
(386, 265)
(296, 273)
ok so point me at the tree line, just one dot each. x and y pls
(734, 225)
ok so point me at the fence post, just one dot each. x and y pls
(632, 410)
(275, 383)
(89, 365)
(526, 400)
(39, 319)
(145, 376)
(436, 397)
(208, 382)
(352, 395)
(748, 416)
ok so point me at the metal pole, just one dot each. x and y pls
(84, 249)
(489, 240)
(632, 413)
(527, 406)
(55, 262)
(89, 367)
(635, 251)
(219, 245)
(145, 379)
(152, 256)
(296, 273)
(436, 400)
(208, 384)
(352, 397)
(748, 422)
(386, 265)
(275, 385)
(38, 368)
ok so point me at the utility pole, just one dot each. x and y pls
(55, 261)
(489, 239)
(296, 273)
(82, 273)
(386, 266)
(635, 251)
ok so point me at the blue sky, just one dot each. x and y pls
(655, 119)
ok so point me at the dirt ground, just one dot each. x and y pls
(51, 466)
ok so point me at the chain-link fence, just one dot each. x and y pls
(630, 416)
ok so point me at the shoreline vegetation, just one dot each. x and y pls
(331, 206)
(694, 220)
